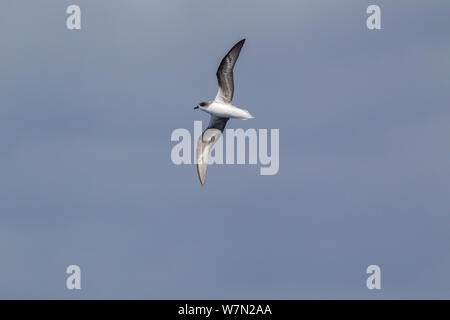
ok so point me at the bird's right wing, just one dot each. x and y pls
(225, 74)
(205, 143)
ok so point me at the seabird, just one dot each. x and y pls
(221, 110)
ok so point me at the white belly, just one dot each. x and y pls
(227, 111)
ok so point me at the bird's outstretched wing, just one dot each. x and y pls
(225, 74)
(205, 143)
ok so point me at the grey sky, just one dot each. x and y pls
(86, 176)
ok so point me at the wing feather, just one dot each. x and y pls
(205, 143)
(225, 74)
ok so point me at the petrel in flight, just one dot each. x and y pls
(221, 110)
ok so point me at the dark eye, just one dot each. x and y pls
(202, 104)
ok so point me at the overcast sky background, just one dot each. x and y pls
(86, 175)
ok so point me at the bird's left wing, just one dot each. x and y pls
(205, 143)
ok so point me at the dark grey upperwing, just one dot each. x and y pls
(205, 143)
(217, 123)
(225, 74)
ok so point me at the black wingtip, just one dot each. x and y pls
(240, 43)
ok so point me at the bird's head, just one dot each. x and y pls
(202, 105)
